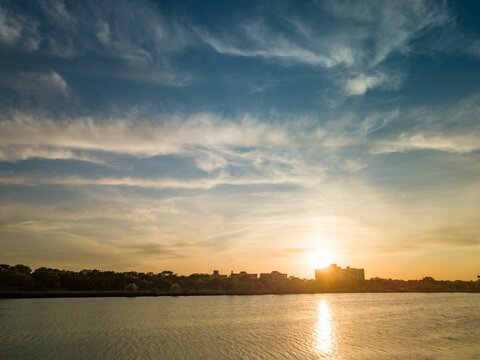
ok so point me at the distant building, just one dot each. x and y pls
(273, 276)
(217, 275)
(335, 274)
(243, 276)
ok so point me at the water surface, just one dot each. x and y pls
(322, 326)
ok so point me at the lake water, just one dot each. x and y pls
(330, 326)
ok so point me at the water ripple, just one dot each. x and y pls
(336, 326)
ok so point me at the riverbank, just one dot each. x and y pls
(80, 294)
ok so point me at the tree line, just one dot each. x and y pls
(21, 278)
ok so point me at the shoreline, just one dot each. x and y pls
(90, 294)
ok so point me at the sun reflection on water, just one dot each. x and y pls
(324, 330)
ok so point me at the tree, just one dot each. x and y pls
(176, 288)
(23, 269)
(131, 287)
(46, 278)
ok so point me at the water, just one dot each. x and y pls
(333, 326)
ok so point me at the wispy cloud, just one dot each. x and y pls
(73, 29)
(454, 129)
(379, 30)
(35, 226)
(391, 26)
(215, 142)
(361, 83)
(460, 143)
(475, 49)
(18, 30)
(18, 153)
(39, 85)
(266, 44)
(205, 184)
(141, 137)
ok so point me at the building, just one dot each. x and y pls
(273, 276)
(217, 275)
(335, 274)
(243, 276)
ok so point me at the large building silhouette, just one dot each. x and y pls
(336, 275)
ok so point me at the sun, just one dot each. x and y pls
(321, 259)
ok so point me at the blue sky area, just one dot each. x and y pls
(234, 135)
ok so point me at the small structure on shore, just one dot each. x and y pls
(217, 275)
(243, 276)
(273, 276)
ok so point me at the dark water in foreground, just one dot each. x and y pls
(333, 326)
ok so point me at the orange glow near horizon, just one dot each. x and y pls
(321, 259)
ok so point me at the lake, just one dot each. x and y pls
(320, 326)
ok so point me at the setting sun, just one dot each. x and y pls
(321, 259)
(293, 179)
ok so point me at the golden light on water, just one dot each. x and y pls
(324, 330)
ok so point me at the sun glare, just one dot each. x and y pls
(321, 259)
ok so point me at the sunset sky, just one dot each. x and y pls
(241, 135)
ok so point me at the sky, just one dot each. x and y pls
(241, 135)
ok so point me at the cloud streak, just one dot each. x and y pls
(19, 153)
(391, 25)
(204, 184)
(215, 142)
(461, 143)
(379, 29)
(269, 46)
(453, 129)
(18, 30)
(147, 138)
(39, 85)
(70, 30)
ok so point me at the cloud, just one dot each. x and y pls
(10, 28)
(454, 128)
(474, 49)
(354, 165)
(357, 49)
(103, 33)
(57, 12)
(360, 84)
(17, 30)
(375, 30)
(391, 25)
(460, 143)
(292, 45)
(141, 137)
(243, 151)
(210, 160)
(468, 234)
(39, 85)
(19, 153)
(266, 44)
(35, 226)
(165, 183)
(247, 143)
(96, 29)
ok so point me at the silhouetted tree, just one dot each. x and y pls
(46, 278)
(131, 287)
(175, 288)
(20, 277)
